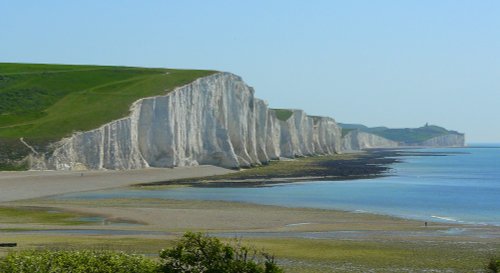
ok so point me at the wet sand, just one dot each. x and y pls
(248, 220)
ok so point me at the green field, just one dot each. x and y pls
(52, 101)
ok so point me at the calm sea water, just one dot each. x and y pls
(463, 186)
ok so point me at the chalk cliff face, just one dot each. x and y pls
(449, 140)
(303, 135)
(215, 120)
(357, 140)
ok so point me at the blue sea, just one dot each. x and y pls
(463, 186)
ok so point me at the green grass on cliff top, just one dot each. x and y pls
(283, 114)
(45, 101)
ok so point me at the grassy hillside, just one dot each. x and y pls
(52, 101)
(44, 102)
(405, 135)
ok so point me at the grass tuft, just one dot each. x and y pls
(283, 114)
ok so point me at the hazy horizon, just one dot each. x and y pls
(378, 63)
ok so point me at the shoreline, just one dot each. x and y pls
(369, 164)
(263, 182)
(349, 166)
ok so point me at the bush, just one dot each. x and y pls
(194, 253)
(493, 266)
(86, 261)
(197, 253)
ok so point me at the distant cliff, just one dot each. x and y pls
(425, 136)
(449, 140)
(214, 120)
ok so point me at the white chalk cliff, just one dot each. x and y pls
(357, 140)
(215, 120)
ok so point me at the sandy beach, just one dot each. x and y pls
(35, 184)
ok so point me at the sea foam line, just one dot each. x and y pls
(446, 218)
(297, 224)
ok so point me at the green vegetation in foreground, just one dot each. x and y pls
(405, 135)
(195, 253)
(303, 255)
(39, 101)
(82, 261)
(22, 215)
(494, 266)
(311, 256)
(283, 114)
(200, 253)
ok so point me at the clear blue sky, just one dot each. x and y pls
(394, 63)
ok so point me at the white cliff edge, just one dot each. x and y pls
(214, 120)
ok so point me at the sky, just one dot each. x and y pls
(392, 63)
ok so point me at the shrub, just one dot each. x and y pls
(197, 253)
(194, 253)
(493, 266)
(86, 261)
